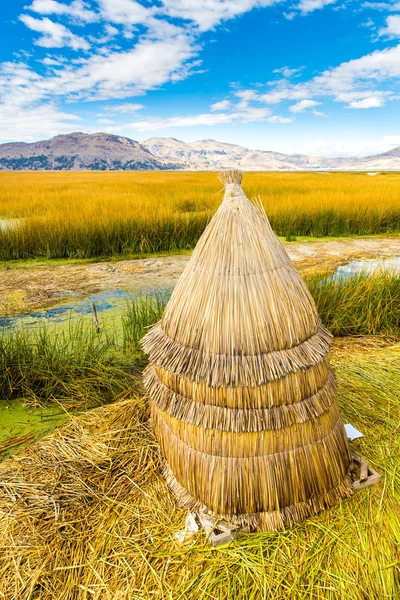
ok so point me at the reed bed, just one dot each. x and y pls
(64, 215)
(361, 304)
(77, 365)
(86, 513)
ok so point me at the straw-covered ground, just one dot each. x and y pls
(85, 513)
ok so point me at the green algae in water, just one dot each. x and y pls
(18, 420)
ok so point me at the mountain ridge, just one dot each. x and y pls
(105, 151)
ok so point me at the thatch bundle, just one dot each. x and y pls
(243, 398)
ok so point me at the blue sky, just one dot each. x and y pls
(312, 76)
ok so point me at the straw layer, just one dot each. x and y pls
(286, 516)
(233, 369)
(237, 485)
(239, 420)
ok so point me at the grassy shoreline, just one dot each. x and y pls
(35, 261)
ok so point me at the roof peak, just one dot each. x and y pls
(231, 176)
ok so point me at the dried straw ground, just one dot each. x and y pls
(85, 513)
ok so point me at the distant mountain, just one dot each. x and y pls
(78, 152)
(103, 151)
(212, 155)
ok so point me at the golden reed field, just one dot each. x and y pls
(85, 214)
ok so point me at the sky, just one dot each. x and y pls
(295, 76)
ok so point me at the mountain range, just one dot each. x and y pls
(104, 151)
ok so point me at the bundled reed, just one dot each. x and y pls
(243, 398)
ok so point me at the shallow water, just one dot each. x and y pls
(106, 303)
(111, 303)
(367, 266)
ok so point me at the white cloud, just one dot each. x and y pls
(206, 14)
(303, 105)
(392, 28)
(125, 11)
(148, 65)
(369, 102)
(246, 96)
(123, 108)
(285, 92)
(390, 6)
(52, 62)
(278, 119)
(391, 141)
(287, 72)
(218, 106)
(54, 35)
(109, 33)
(353, 83)
(307, 6)
(77, 9)
(206, 119)
(32, 123)
(343, 147)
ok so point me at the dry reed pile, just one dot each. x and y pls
(85, 514)
(243, 398)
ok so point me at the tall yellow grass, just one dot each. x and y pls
(89, 213)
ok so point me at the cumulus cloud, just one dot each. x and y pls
(125, 11)
(278, 119)
(212, 118)
(354, 83)
(303, 105)
(29, 124)
(369, 102)
(77, 9)
(392, 28)
(307, 6)
(54, 35)
(287, 72)
(209, 13)
(123, 108)
(383, 6)
(218, 106)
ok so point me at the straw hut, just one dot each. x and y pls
(243, 398)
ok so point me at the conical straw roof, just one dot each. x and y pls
(243, 399)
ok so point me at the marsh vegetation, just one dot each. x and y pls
(83, 215)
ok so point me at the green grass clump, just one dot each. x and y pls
(363, 304)
(76, 367)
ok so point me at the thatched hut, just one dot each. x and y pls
(243, 398)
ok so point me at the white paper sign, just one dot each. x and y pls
(352, 432)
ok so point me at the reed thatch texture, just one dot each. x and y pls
(243, 398)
